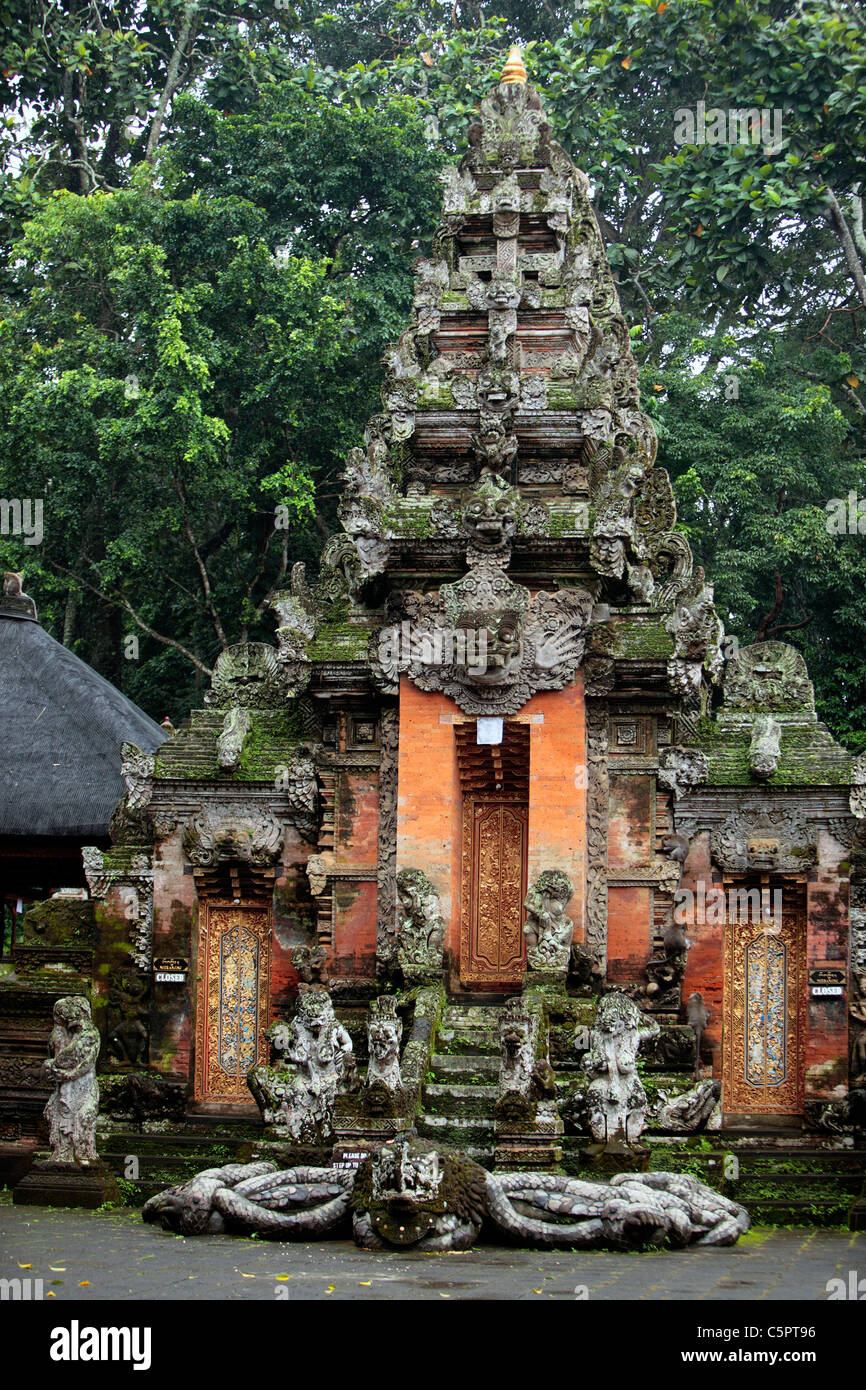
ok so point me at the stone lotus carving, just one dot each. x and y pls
(525, 1073)
(420, 927)
(240, 831)
(383, 1092)
(482, 643)
(616, 1103)
(760, 836)
(73, 1108)
(691, 1110)
(409, 1194)
(297, 1095)
(548, 929)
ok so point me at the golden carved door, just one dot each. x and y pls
(493, 888)
(764, 1008)
(232, 1000)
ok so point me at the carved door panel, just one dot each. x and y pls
(232, 1006)
(492, 948)
(764, 1008)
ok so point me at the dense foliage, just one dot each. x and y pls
(209, 219)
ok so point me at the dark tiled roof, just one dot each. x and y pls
(61, 727)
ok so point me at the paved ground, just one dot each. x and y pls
(112, 1254)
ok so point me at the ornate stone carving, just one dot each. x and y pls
(129, 877)
(296, 1096)
(248, 675)
(409, 1194)
(235, 831)
(230, 741)
(597, 814)
(311, 963)
(616, 1102)
(761, 836)
(484, 645)
(548, 930)
(130, 822)
(525, 1073)
(768, 678)
(765, 747)
(420, 928)
(857, 795)
(383, 1092)
(682, 769)
(689, 1111)
(302, 793)
(73, 1108)
(666, 972)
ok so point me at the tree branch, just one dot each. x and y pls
(172, 78)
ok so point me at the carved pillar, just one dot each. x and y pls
(597, 808)
(386, 934)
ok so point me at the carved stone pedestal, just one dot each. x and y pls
(548, 980)
(66, 1185)
(15, 1161)
(607, 1159)
(530, 1146)
(360, 1135)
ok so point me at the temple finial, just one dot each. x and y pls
(514, 70)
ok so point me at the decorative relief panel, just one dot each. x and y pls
(765, 992)
(493, 889)
(232, 1013)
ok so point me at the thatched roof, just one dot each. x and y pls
(61, 727)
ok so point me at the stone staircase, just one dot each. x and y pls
(460, 1095)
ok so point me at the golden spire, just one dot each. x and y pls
(514, 71)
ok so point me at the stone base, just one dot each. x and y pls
(607, 1159)
(857, 1216)
(362, 1136)
(545, 979)
(66, 1185)
(15, 1162)
(534, 1147)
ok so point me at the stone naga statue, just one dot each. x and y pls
(420, 928)
(413, 1194)
(548, 930)
(73, 1109)
(525, 1073)
(616, 1101)
(383, 1093)
(297, 1095)
(689, 1111)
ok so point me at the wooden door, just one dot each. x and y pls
(232, 1001)
(764, 1012)
(492, 951)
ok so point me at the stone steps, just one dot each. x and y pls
(464, 1067)
(459, 1100)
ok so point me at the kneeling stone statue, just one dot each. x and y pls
(296, 1097)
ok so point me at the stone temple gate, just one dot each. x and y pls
(500, 745)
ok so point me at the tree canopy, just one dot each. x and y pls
(209, 219)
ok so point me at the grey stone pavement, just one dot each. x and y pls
(94, 1255)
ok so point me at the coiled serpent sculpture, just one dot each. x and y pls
(412, 1193)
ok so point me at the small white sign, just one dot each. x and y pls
(170, 977)
(826, 989)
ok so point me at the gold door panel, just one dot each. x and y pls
(493, 888)
(232, 1011)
